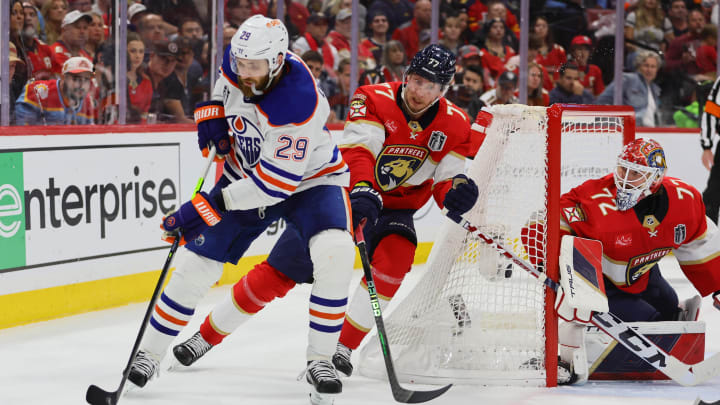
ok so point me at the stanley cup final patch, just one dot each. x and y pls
(437, 141)
(680, 234)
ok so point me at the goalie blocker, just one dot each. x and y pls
(590, 352)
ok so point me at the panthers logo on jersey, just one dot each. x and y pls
(248, 139)
(397, 163)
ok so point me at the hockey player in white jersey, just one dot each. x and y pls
(267, 119)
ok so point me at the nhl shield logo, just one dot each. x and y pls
(437, 141)
(397, 163)
(680, 234)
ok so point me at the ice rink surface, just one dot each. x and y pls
(53, 363)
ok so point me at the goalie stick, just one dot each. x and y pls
(682, 373)
(96, 395)
(399, 393)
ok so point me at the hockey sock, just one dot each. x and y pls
(333, 253)
(190, 282)
(247, 297)
(392, 259)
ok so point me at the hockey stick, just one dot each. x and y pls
(96, 395)
(399, 393)
(682, 373)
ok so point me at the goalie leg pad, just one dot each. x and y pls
(333, 254)
(248, 296)
(192, 278)
(571, 338)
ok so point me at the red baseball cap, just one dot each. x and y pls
(581, 40)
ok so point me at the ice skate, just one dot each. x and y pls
(143, 368)
(325, 382)
(341, 360)
(191, 350)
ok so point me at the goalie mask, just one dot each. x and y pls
(260, 38)
(640, 170)
(434, 63)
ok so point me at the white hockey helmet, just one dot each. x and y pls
(260, 37)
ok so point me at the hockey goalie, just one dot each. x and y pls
(631, 218)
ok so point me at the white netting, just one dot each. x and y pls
(474, 317)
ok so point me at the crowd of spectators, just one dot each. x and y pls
(670, 53)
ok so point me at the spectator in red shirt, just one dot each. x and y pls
(377, 36)
(140, 89)
(409, 33)
(493, 53)
(682, 51)
(552, 55)
(707, 52)
(339, 37)
(314, 40)
(73, 39)
(590, 75)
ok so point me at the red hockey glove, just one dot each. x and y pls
(193, 217)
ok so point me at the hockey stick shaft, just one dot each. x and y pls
(399, 393)
(96, 395)
(682, 373)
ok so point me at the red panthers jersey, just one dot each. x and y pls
(671, 220)
(60, 54)
(406, 160)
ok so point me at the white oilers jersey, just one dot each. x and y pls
(280, 142)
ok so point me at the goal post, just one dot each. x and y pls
(474, 317)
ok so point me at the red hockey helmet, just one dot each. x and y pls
(640, 170)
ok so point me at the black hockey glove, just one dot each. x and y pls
(366, 202)
(716, 300)
(462, 196)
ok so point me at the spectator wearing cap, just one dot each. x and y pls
(73, 39)
(494, 54)
(140, 89)
(568, 88)
(377, 36)
(134, 13)
(314, 40)
(174, 90)
(469, 55)
(504, 91)
(339, 37)
(590, 75)
(65, 101)
(53, 12)
(409, 33)
(161, 64)
(398, 12)
(552, 55)
(237, 12)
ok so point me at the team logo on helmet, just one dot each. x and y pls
(644, 152)
(397, 163)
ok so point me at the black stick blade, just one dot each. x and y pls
(98, 396)
(415, 397)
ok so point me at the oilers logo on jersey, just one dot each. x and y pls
(397, 163)
(248, 139)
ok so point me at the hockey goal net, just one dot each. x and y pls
(474, 317)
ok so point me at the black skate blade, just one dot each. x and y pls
(415, 397)
(98, 396)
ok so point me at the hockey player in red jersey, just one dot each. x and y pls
(404, 142)
(640, 216)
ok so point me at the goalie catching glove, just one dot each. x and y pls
(212, 128)
(193, 218)
(365, 202)
(461, 196)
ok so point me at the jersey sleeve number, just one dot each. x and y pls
(291, 148)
